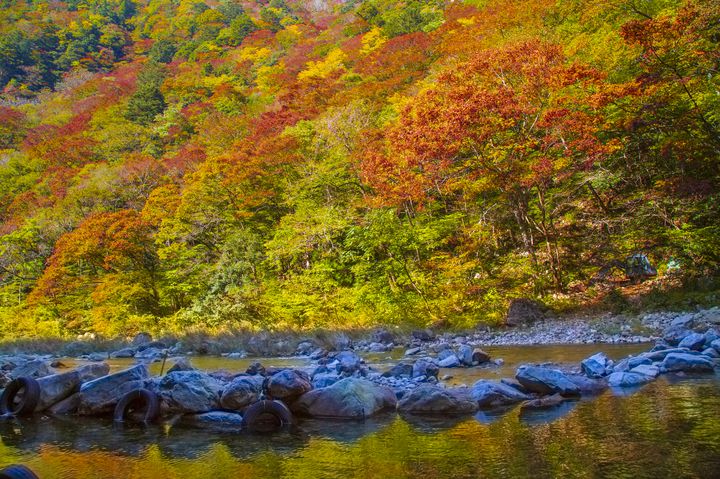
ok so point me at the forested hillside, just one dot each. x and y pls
(167, 164)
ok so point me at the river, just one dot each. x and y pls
(669, 428)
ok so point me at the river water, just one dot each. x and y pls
(667, 429)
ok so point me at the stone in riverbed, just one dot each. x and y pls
(323, 380)
(215, 420)
(544, 402)
(348, 362)
(490, 393)
(348, 398)
(694, 341)
(56, 387)
(100, 395)
(241, 392)
(588, 386)
(288, 384)
(716, 345)
(647, 370)
(688, 363)
(596, 366)
(627, 380)
(430, 399)
(711, 353)
(412, 351)
(465, 355)
(479, 356)
(450, 361)
(68, 405)
(423, 367)
(399, 370)
(35, 369)
(660, 355)
(189, 392)
(123, 353)
(546, 381)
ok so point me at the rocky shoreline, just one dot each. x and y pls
(341, 385)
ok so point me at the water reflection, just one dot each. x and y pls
(668, 429)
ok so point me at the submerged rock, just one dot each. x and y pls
(544, 403)
(628, 379)
(596, 366)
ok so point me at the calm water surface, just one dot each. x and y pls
(670, 428)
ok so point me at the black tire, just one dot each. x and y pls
(143, 401)
(17, 471)
(24, 405)
(267, 416)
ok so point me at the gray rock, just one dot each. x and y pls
(660, 355)
(400, 370)
(348, 362)
(90, 372)
(490, 393)
(675, 334)
(423, 367)
(647, 370)
(684, 321)
(215, 420)
(711, 353)
(189, 392)
(694, 341)
(451, 361)
(97, 357)
(628, 379)
(383, 336)
(716, 345)
(377, 348)
(181, 364)
(305, 348)
(34, 369)
(423, 335)
(100, 395)
(513, 383)
(241, 392)
(123, 353)
(142, 339)
(546, 381)
(428, 399)
(288, 384)
(465, 355)
(596, 366)
(412, 351)
(688, 363)
(445, 353)
(588, 386)
(150, 354)
(56, 387)
(68, 405)
(710, 336)
(348, 398)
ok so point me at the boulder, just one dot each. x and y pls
(687, 362)
(304, 348)
(445, 352)
(56, 387)
(123, 353)
(588, 386)
(465, 355)
(34, 369)
(694, 341)
(288, 384)
(141, 339)
(377, 348)
(660, 355)
(181, 364)
(711, 353)
(150, 354)
(255, 368)
(716, 345)
(513, 383)
(524, 311)
(423, 367)
(430, 399)
(450, 361)
(546, 381)
(348, 362)
(647, 370)
(479, 356)
(596, 366)
(189, 392)
(241, 392)
(628, 379)
(89, 372)
(100, 395)
(400, 370)
(675, 334)
(490, 393)
(68, 405)
(412, 351)
(348, 398)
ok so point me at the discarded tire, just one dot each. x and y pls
(17, 471)
(139, 405)
(20, 397)
(267, 416)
